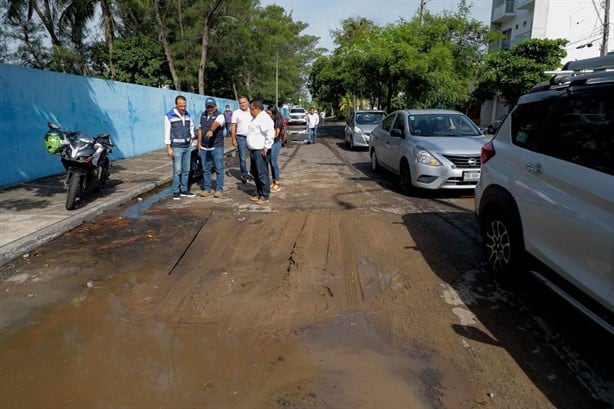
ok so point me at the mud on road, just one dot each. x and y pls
(340, 293)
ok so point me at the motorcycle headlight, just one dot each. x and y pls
(423, 156)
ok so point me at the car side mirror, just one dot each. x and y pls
(396, 132)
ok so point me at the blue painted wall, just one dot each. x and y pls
(132, 114)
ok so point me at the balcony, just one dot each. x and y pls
(519, 38)
(504, 12)
(501, 45)
(525, 4)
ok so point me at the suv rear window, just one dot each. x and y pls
(578, 128)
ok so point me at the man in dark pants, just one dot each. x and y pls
(241, 118)
(260, 136)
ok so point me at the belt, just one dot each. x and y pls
(241, 136)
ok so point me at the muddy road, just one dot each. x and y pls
(340, 293)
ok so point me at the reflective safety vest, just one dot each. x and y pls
(180, 129)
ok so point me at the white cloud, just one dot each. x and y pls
(326, 15)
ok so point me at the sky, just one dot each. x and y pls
(326, 15)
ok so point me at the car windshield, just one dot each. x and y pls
(364, 118)
(297, 111)
(442, 125)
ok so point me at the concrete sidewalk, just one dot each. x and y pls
(33, 213)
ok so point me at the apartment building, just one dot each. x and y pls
(581, 22)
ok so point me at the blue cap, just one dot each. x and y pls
(210, 102)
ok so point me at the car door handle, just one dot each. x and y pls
(534, 167)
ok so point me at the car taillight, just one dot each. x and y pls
(487, 152)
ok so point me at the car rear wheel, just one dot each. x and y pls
(503, 242)
(375, 166)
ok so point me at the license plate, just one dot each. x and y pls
(472, 176)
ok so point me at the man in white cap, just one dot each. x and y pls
(211, 147)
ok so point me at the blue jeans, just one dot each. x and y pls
(312, 133)
(242, 148)
(260, 172)
(181, 169)
(275, 159)
(216, 156)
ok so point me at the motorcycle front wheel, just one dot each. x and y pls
(73, 190)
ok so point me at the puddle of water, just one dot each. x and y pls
(95, 351)
(360, 367)
(137, 211)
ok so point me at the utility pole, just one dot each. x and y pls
(606, 28)
(277, 80)
(422, 8)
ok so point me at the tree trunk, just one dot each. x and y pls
(205, 47)
(107, 19)
(165, 45)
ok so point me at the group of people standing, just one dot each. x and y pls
(253, 130)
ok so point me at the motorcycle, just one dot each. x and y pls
(85, 159)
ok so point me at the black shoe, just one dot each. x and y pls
(308, 142)
(187, 194)
(243, 179)
(175, 196)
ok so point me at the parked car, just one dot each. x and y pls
(297, 116)
(494, 125)
(545, 199)
(359, 126)
(429, 149)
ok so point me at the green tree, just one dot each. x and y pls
(404, 64)
(139, 60)
(512, 73)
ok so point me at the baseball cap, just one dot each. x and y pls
(210, 102)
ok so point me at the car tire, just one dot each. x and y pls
(502, 235)
(375, 166)
(405, 178)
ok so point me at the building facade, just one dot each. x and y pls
(581, 22)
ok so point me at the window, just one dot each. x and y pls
(582, 129)
(399, 123)
(527, 123)
(387, 123)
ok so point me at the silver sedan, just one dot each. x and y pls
(429, 149)
(359, 126)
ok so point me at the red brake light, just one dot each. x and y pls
(487, 152)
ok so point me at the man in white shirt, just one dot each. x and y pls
(240, 121)
(260, 137)
(313, 119)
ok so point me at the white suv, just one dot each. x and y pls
(297, 116)
(545, 199)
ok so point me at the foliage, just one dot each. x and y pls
(403, 64)
(159, 42)
(138, 60)
(511, 74)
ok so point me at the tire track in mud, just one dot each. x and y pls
(345, 250)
